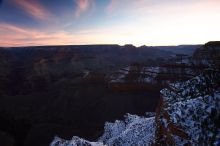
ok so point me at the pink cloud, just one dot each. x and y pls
(33, 8)
(112, 5)
(12, 35)
(122, 5)
(118, 6)
(82, 6)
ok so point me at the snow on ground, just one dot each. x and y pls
(134, 131)
(198, 86)
(76, 141)
(149, 75)
(197, 118)
(138, 131)
(194, 106)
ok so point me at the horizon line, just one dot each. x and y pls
(104, 44)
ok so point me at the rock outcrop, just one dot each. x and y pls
(135, 130)
(75, 141)
(208, 54)
(188, 112)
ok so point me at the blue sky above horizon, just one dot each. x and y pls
(138, 22)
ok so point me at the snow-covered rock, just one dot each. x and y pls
(76, 141)
(151, 75)
(134, 131)
(138, 131)
(189, 112)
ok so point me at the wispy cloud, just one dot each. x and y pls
(170, 22)
(152, 6)
(112, 5)
(33, 8)
(82, 6)
(121, 5)
(145, 22)
(12, 35)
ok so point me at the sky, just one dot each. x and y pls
(137, 22)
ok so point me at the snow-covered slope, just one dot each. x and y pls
(189, 112)
(150, 75)
(197, 118)
(75, 141)
(134, 131)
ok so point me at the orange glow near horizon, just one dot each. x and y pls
(144, 23)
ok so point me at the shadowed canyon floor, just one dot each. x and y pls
(74, 90)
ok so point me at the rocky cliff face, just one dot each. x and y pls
(147, 78)
(76, 141)
(188, 112)
(208, 54)
(134, 130)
